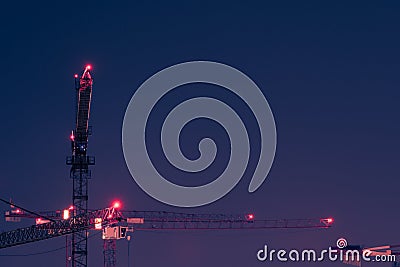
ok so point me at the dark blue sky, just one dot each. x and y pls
(329, 72)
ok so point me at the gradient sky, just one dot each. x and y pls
(330, 72)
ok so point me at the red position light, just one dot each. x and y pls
(327, 221)
(116, 204)
(250, 217)
(76, 75)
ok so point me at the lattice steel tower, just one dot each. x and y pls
(80, 162)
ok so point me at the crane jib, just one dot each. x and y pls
(83, 107)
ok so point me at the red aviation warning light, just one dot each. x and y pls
(250, 217)
(327, 221)
(72, 136)
(76, 76)
(116, 204)
(88, 67)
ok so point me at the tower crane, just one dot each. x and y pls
(77, 220)
(116, 224)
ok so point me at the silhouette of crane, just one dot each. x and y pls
(116, 224)
(77, 220)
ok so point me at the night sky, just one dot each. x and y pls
(330, 72)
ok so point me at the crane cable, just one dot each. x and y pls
(40, 216)
(23, 209)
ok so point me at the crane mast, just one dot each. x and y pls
(80, 162)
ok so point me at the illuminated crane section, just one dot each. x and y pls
(116, 225)
(84, 96)
(80, 162)
(55, 225)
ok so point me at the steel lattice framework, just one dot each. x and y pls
(147, 220)
(109, 253)
(58, 227)
(153, 220)
(80, 163)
